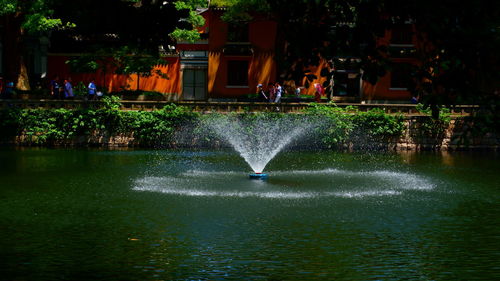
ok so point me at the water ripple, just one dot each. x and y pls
(200, 173)
(264, 194)
(400, 179)
(193, 183)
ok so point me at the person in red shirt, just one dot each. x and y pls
(319, 92)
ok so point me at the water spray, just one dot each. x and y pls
(259, 138)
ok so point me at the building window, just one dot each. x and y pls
(401, 78)
(237, 32)
(402, 34)
(237, 73)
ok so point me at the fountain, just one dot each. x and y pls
(258, 176)
(259, 138)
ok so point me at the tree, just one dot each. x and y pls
(459, 59)
(307, 30)
(143, 26)
(191, 18)
(458, 54)
(22, 18)
(131, 39)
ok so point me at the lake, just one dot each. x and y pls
(90, 214)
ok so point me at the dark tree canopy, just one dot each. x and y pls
(459, 61)
(115, 23)
(143, 28)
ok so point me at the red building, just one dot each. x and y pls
(231, 61)
(232, 58)
(394, 86)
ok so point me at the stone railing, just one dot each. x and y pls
(222, 107)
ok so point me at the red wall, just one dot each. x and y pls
(381, 90)
(117, 82)
(262, 67)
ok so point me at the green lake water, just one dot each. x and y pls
(195, 215)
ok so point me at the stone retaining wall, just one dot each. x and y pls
(456, 136)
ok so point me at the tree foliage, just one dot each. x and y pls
(136, 34)
(142, 27)
(22, 19)
(36, 15)
(459, 57)
(192, 18)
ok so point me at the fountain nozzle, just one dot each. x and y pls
(258, 176)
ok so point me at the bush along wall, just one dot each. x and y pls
(331, 127)
(102, 126)
(350, 128)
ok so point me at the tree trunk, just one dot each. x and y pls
(16, 69)
(23, 82)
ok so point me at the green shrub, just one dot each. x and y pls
(379, 124)
(80, 90)
(343, 124)
(430, 127)
(337, 126)
(158, 127)
(55, 126)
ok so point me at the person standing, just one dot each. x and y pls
(54, 88)
(68, 89)
(261, 95)
(271, 92)
(279, 91)
(331, 84)
(318, 93)
(92, 90)
(298, 90)
(61, 90)
(9, 89)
